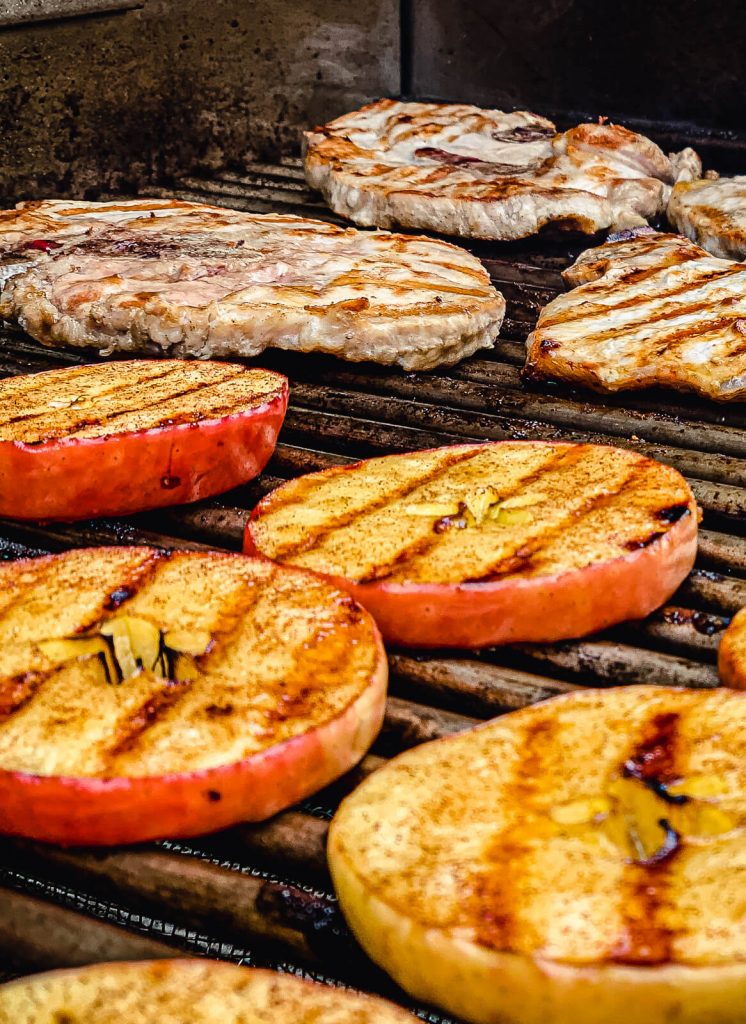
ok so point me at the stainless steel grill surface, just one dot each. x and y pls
(262, 894)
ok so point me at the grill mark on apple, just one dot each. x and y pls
(314, 537)
(132, 730)
(18, 692)
(420, 548)
(646, 939)
(31, 387)
(495, 901)
(522, 557)
(70, 430)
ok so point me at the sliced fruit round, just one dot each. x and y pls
(184, 992)
(485, 544)
(732, 653)
(115, 438)
(146, 694)
(562, 863)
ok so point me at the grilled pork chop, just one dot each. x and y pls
(190, 280)
(650, 309)
(480, 173)
(712, 214)
(562, 863)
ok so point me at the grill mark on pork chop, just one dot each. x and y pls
(580, 313)
(495, 898)
(315, 536)
(645, 897)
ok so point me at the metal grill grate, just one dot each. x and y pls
(262, 893)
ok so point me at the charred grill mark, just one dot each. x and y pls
(578, 312)
(673, 513)
(128, 587)
(133, 729)
(18, 691)
(239, 402)
(442, 526)
(315, 537)
(496, 900)
(32, 387)
(386, 569)
(646, 939)
(644, 542)
(520, 559)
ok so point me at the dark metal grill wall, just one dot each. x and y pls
(118, 99)
(667, 60)
(120, 94)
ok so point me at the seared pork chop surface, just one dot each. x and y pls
(183, 279)
(650, 309)
(462, 170)
(712, 214)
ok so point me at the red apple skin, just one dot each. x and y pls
(135, 471)
(106, 812)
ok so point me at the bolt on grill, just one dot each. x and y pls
(261, 894)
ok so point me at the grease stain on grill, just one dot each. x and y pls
(317, 919)
(704, 623)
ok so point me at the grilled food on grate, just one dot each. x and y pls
(461, 170)
(712, 214)
(651, 309)
(568, 862)
(110, 439)
(185, 992)
(185, 279)
(146, 693)
(732, 653)
(483, 544)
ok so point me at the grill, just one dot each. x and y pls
(261, 894)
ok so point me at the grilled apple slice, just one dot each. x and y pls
(184, 992)
(486, 544)
(732, 653)
(146, 694)
(568, 862)
(115, 438)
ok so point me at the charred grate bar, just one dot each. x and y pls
(262, 893)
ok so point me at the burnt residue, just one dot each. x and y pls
(703, 622)
(668, 847)
(457, 521)
(652, 762)
(315, 917)
(117, 598)
(673, 513)
(646, 939)
(643, 542)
